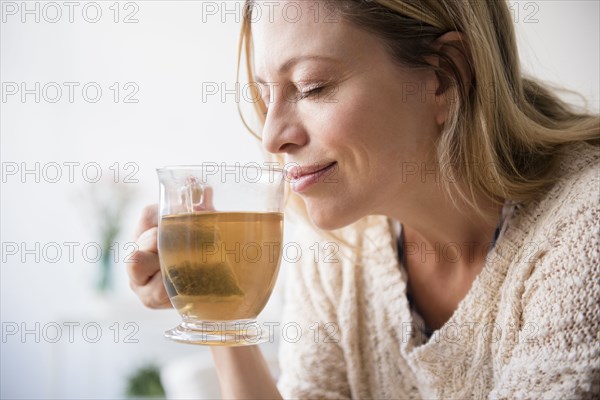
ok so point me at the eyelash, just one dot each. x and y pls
(306, 94)
(311, 92)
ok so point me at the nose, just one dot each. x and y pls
(283, 131)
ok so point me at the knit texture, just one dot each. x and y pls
(529, 327)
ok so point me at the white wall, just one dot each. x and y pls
(168, 54)
(559, 41)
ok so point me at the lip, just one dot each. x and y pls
(298, 172)
(304, 177)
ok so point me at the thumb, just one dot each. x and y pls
(206, 204)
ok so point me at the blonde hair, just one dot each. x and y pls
(518, 134)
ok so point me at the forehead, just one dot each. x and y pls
(289, 29)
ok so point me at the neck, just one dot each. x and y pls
(442, 233)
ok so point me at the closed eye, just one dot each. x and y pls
(302, 95)
(311, 92)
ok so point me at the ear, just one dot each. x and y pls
(454, 46)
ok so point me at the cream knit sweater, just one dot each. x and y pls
(529, 326)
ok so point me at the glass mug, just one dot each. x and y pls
(220, 234)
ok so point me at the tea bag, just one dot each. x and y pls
(213, 275)
(196, 279)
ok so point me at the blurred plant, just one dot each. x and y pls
(108, 202)
(145, 382)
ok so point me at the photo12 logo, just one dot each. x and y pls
(69, 92)
(264, 10)
(269, 92)
(67, 252)
(70, 332)
(53, 12)
(67, 171)
(271, 331)
(254, 172)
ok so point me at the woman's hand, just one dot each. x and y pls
(145, 278)
(243, 372)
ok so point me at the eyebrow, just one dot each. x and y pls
(295, 60)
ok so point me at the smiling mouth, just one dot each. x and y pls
(304, 179)
(300, 172)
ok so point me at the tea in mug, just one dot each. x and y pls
(220, 266)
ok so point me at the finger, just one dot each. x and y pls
(144, 266)
(153, 294)
(207, 200)
(147, 241)
(148, 219)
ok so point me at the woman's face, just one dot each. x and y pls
(376, 121)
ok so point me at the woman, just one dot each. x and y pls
(464, 198)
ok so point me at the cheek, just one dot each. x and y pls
(359, 128)
(344, 128)
(342, 118)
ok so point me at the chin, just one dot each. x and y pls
(329, 221)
